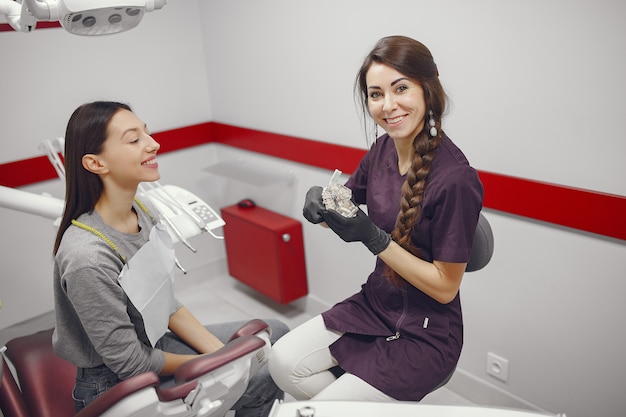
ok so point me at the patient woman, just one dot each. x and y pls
(108, 240)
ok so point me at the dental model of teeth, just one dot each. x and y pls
(338, 197)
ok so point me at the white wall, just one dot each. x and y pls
(158, 68)
(537, 92)
(534, 85)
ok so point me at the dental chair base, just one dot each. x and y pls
(376, 409)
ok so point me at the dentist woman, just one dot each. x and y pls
(400, 336)
(107, 240)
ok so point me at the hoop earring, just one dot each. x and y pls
(432, 124)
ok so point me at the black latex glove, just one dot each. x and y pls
(313, 205)
(358, 229)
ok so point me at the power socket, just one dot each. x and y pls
(497, 367)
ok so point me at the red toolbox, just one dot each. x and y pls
(265, 251)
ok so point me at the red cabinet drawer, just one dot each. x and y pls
(265, 250)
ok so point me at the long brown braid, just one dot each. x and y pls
(413, 194)
(412, 59)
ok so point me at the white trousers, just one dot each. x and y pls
(300, 363)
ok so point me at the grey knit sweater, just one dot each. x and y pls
(95, 321)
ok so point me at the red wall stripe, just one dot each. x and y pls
(5, 27)
(586, 210)
(184, 137)
(577, 208)
(309, 152)
(27, 171)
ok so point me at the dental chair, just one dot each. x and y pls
(11, 401)
(206, 386)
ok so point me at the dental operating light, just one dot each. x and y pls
(79, 17)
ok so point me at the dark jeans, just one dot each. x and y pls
(256, 401)
(92, 383)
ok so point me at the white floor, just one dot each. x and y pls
(213, 296)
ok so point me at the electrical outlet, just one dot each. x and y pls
(497, 367)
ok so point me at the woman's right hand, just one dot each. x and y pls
(313, 205)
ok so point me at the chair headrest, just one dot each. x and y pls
(482, 249)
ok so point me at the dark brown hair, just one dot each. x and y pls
(412, 59)
(85, 134)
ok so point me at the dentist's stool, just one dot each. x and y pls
(482, 248)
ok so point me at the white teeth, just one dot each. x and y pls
(150, 162)
(396, 120)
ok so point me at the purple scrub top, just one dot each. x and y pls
(430, 333)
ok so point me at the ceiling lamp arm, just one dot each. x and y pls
(17, 16)
(41, 10)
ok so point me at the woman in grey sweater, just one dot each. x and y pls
(106, 237)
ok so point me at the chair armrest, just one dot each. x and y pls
(204, 364)
(11, 401)
(252, 327)
(118, 392)
(176, 392)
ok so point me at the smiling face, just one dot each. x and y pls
(128, 154)
(395, 102)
